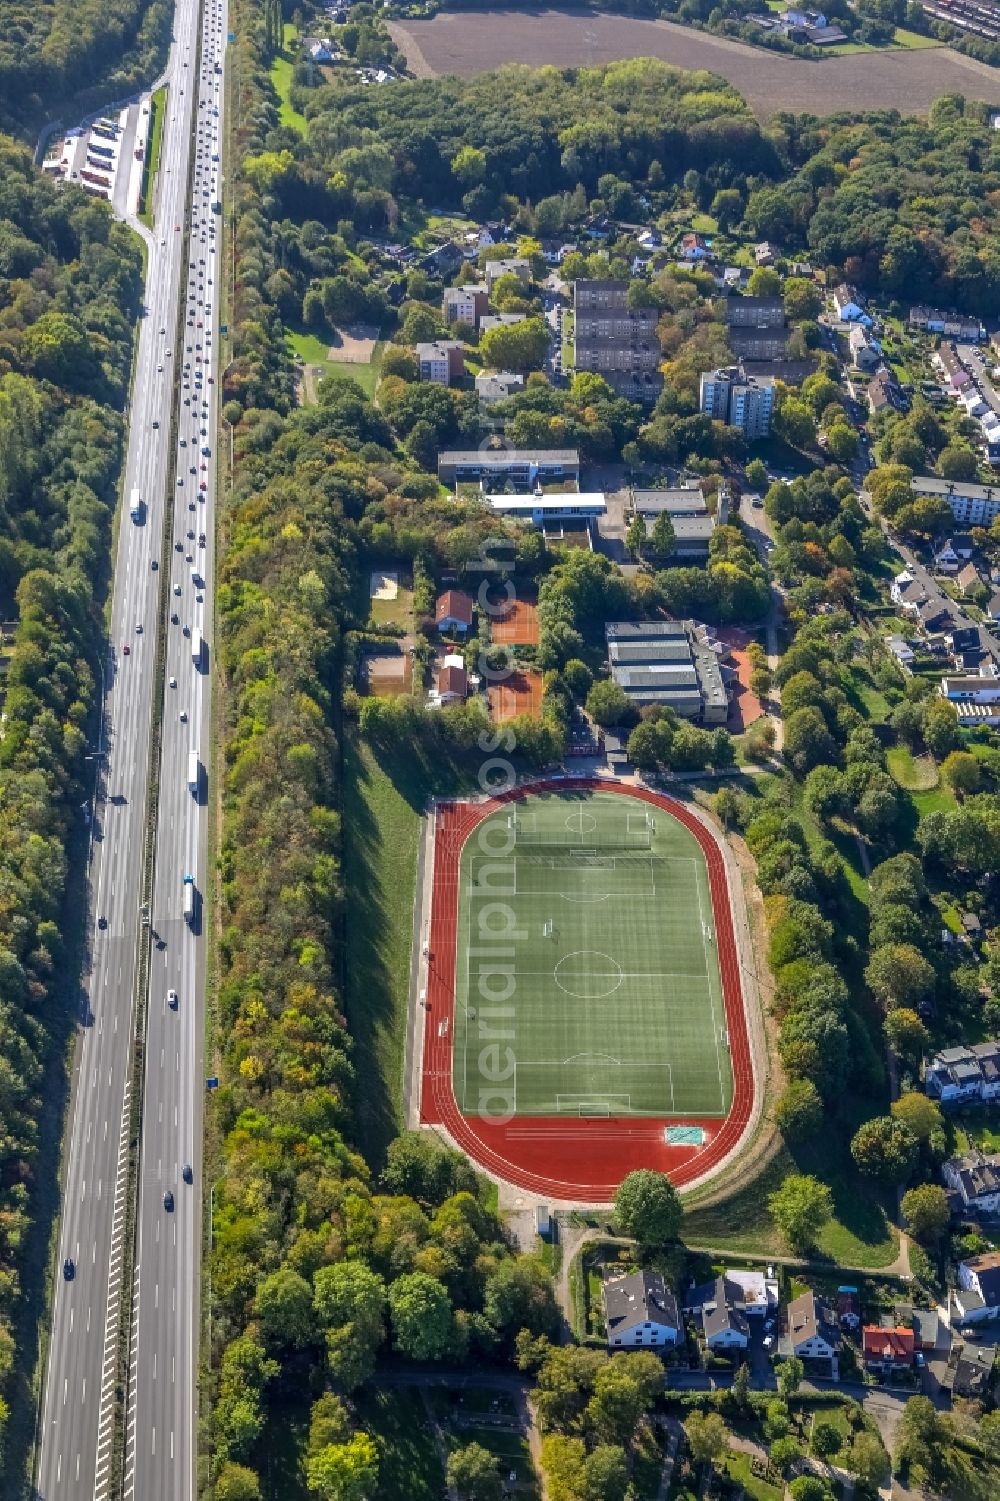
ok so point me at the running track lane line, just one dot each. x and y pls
(623, 1142)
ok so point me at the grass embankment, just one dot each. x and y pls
(282, 72)
(859, 1234)
(157, 113)
(385, 794)
(920, 777)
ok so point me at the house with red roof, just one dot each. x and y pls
(889, 1349)
(453, 612)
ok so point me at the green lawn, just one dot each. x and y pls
(737, 1466)
(704, 224)
(366, 376)
(398, 611)
(510, 1448)
(384, 798)
(157, 111)
(311, 347)
(410, 1465)
(914, 40)
(282, 70)
(859, 1234)
(620, 1006)
(919, 776)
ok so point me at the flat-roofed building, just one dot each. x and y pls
(566, 505)
(520, 467)
(665, 662)
(465, 304)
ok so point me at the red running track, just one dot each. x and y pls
(579, 1158)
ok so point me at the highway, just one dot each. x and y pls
(181, 309)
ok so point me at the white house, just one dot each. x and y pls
(963, 1074)
(723, 1316)
(901, 650)
(975, 1179)
(811, 1334)
(641, 1311)
(846, 304)
(978, 1294)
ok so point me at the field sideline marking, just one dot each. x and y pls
(715, 1023)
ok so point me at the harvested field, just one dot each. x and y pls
(387, 673)
(520, 694)
(518, 626)
(908, 81)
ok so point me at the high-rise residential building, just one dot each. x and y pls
(739, 400)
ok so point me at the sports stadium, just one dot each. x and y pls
(583, 1003)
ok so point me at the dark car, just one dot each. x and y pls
(186, 1173)
(69, 1269)
(168, 1201)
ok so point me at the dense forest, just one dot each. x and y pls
(51, 50)
(69, 294)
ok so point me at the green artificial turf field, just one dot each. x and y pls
(608, 995)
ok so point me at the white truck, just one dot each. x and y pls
(137, 507)
(196, 647)
(190, 900)
(194, 773)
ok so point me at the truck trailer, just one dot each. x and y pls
(190, 900)
(137, 507)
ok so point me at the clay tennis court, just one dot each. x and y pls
(389, 673)
(521, 693)
(518, 626)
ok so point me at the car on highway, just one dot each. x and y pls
(153, 564)
(69, 1269)
(186, 1173)
(159, 369)
(168, 1201)
(102, 922)
(183, 716)
(172, 999)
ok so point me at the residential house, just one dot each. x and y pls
(975, 1179)
(641, 1311)
(810, 1333)
(907, 592)
(764, 254)
(847, 304)
(887, 1350)
(739, 400)
(993, 608)
(953, 325)
(515, 265)
(981, 1274)
(759, 1292)
(956, 377)
(497, 385)
(848, 1307)
(723, 1318)
(983, 688)
(952, 551)
(935, 617)
(694, 248)
(453, 612)
(465, 304)
(452, 683)
(901, 650)
(884, 391)
(441, 361)
(866, 352)
(964, 1074)
(968, 578)
(972, 1375)
(972, 504)
(320, 49)
(521, 468)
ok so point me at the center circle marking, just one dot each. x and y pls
(593, 974)
(579, 822)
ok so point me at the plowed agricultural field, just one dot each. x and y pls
(909, 81)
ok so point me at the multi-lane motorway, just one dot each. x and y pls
(172, 467)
